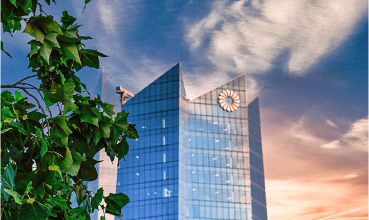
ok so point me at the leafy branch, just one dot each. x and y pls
(46, 158)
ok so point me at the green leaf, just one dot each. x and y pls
(14, 2)
(60, 129)
(68, 106)
(34, 47)
(59, 201)
(7, 96)
(33, 29)
(7, 177)
(6, 113)
(80, 143)
(50, 41)
(51, 178)
(35, 115)
(87, 170)
(18, 96)
(22, 180)
(108, 109)
(71, 31)
(86, 2)
(90, 58)
(33, 211)
(69, 51)
(5, 130)
(71, 163)
(96, 200)
(67, 19)
(51, 24)
(115, 203)
(51, 37)
(131, 132)
(119, 126)
(66, 161)
(79, 213)
(104, 126)
(15, 153)
(59, 92)
(94, 52)
(15, 195)
(26, 5)
(40, 191)
(90, 115)
(79, 193)
(45, 50)
(121, 148)
(62, 78)
(44, 147)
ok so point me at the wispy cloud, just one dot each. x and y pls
(334, 216)
(111, 24)
(299, 131)
(305, 181)
(317, 200)
(331, 123)
(356, 137)
(249, 34)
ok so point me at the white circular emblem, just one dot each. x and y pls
(228, 105)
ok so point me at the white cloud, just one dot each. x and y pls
(300, 131)
(114, 21)
(356, 137)
(249, 34)
(331, 123)
(108, 16)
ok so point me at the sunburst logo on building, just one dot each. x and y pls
(229, 100)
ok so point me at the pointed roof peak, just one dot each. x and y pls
(244, 74)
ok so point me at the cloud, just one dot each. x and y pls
(249, 35)
(331, 123)
(300, 131)
(111, 25)
(356, 137)
(305, 181)
(197, 84)
(293, 199)
(108, 16)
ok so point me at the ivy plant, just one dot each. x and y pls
(48, 156)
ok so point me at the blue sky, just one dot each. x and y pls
(306, 60)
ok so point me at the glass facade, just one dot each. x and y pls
(256, 162)
(193, 160)
(106, 169)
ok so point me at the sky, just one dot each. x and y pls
(307, 61)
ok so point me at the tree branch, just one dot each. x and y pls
(38, 90)
(24, 79)
(39, 105)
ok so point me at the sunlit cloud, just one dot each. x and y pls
(318, 199)
(305, 181)
(356, 137)
(334, 216)
(249, 35)
(300, 132)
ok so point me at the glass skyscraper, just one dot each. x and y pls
(106, 169)
(195, 159)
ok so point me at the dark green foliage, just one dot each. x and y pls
(45, 158)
